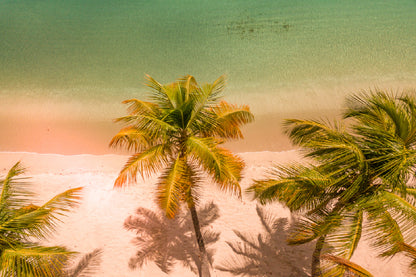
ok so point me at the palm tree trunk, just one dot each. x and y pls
(205, 268)
(316, 257)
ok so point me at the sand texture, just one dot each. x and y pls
(229, 224)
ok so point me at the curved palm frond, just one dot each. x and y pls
(159, 93)
(314, 225)
(383, 230)
(229, 119)
(14, 193)
(34, 261)
(146, 163)
(347, 265)
(403, 212)
(152, 126)
(139, 107)
(171, 186)
(306, 133)
(40, 222)
(344, 239)
(297, 186)
(132, 139)
(220, 163)
(410, 251)
(410, 108)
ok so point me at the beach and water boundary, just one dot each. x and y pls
(65, 67)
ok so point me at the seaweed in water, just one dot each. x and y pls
(247, 26)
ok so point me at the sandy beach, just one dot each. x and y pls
(98, 221)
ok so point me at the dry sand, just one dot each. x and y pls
(98, 221)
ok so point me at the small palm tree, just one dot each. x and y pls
(179, 134)
(22, 222)
(361, 175)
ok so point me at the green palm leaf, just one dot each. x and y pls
(229, 118)
(220, 163)
(34, 261)
(14, 192)
(146, 163)
(346, 265)
(171, 186)
(297, 186)
(344, 239)
(132, 139)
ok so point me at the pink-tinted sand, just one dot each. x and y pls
(98, 221)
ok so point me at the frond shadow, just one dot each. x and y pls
(88, 265)
(268, 253)
(167, 241)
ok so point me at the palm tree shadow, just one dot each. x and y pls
(167, 241)
(268, 253)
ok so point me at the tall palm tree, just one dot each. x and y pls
(359, 175)
(21, 222)
(179, 134)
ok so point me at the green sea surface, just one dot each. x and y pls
(279, 55)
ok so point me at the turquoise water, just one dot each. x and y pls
(279, 55)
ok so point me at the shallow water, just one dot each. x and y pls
(77, 60)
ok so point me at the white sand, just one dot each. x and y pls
(98, 221)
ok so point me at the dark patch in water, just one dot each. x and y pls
(248, 27)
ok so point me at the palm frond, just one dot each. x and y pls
(139, 107)
(132, 139)
(410, 109)
(152, 126)
(297, 186)
(159, 93)
(14, 193)
(403, 212)
(306, 133)
(146, 163)
(40, 221)
(347, 265)
(383, 230)
(310, 227)
(34, 261)
(171, 185)
(410, 251)
(220, 163)
(189, 83)
(215, 89)
(344, 239)
(229, 119)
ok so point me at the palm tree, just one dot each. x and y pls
(21, 223)
(179, 135)
(358, 175)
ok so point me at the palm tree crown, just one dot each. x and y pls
(362, 174)
(179, 134)
(21, 222)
